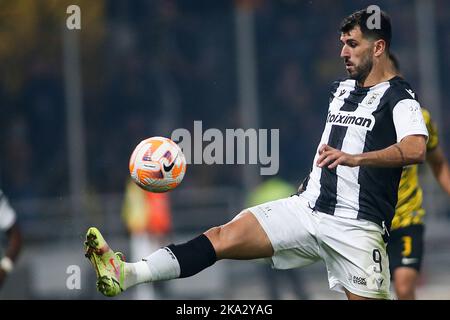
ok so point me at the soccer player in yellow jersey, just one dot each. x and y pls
(405, 247)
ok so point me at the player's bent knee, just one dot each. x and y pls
(241, 238)
(405, 280)
(213, 235)
(223, 238)
(405, 290)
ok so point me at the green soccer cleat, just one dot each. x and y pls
(109, 266)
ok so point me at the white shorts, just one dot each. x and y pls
(353, 250)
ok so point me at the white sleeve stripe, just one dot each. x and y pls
(408, 119)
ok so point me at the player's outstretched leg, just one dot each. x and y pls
(241, 238)
(115, 275)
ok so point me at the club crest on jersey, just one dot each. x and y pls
(373, 98)
(351, 119)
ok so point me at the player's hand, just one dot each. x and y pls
(331, 157)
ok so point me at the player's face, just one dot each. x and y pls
(357, 54)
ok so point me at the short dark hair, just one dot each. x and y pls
(359, 18)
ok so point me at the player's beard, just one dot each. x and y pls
(363, 69)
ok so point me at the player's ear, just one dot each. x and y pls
(379, 47)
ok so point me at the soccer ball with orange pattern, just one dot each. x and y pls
(157, 164)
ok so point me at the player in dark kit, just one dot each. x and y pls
(374, 127)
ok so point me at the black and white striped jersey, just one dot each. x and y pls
(362, 120)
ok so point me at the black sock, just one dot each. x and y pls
(194, 255)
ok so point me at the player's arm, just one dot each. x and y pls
(410, 147)
(12, 251)
(410, 150)
(14, 242)
(440, 167)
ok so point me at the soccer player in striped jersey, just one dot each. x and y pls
(406, 243)
(374, 127)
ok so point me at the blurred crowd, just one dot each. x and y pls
(149, 67)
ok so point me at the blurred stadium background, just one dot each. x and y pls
(75, 103)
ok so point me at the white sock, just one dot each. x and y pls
(160, 265)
